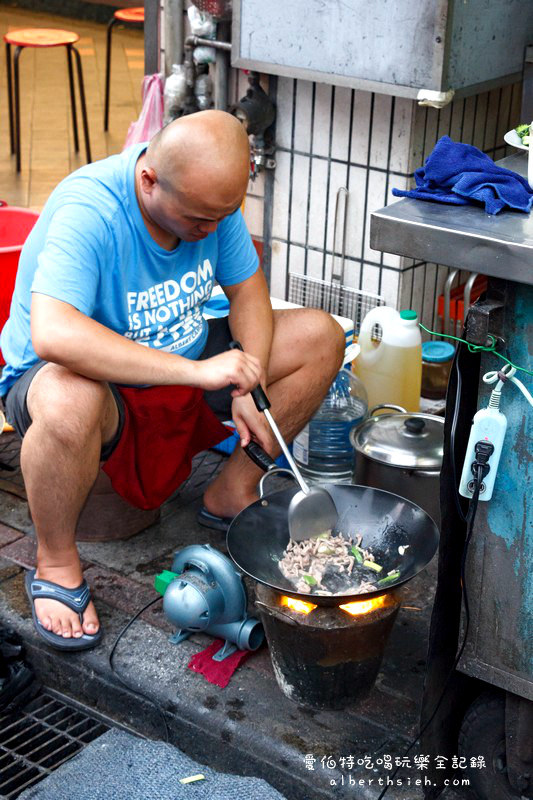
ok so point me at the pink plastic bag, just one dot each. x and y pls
(151, 117)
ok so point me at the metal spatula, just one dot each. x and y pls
(311, 510)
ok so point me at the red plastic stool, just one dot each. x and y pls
(130, 16)
(43, 37)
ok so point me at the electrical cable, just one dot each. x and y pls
(123, 681)
(458, 390)
(502, 376)
(470, 518)
(476, 348)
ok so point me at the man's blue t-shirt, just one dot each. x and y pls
(90, 248)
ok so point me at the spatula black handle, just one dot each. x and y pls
(259, 456)
(262, 403)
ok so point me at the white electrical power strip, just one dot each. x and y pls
(488, 428)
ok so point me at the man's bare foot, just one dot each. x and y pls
(227, 504)
(58, 618)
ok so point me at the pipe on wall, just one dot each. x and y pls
(174, 33)
(151, 38)
(223, 49)
(222, 67)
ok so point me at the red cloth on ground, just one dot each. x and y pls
(164, 427)
(217, 672)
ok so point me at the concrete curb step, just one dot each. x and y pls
(248, 728)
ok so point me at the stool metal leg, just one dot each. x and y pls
(10, 97)
(83, 105)
(72, 98)
(110, 27)
(18, 51)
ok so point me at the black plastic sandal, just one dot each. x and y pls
(209, 520)
(76, 599)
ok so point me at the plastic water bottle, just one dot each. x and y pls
(323, 450)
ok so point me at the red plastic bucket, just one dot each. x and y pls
(15, 225)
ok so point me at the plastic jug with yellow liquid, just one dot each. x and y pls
(391, 369)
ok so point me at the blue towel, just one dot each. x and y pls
(461, 174)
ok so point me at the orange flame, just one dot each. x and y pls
(355, 609)
(297, 605)
(364, 606)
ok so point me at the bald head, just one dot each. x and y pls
(207, 152)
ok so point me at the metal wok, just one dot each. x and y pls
(258, 536)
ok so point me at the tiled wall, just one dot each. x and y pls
(330, 137)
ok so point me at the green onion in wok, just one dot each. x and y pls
(391, 577)
(372, 565)
(309, 580)
(357, 553)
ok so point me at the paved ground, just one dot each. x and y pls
(47, 144)
(247, 728)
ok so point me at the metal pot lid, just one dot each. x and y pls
(412, 441)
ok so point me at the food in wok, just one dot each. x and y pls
(332, 564)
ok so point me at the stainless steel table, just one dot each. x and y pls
(460, 236)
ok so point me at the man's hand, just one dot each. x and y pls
(250, 423)
(232, 367)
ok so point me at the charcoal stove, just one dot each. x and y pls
(327, 649)
(326, 656)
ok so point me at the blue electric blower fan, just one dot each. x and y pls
(205, 592)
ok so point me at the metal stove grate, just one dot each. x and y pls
(38, 738)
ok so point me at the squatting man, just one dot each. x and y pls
(125, 253)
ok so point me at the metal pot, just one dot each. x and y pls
(401, 453)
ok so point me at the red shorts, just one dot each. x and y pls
(164, 428)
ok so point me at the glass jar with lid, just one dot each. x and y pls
(437, 358)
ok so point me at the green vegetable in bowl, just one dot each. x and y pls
(523, 133)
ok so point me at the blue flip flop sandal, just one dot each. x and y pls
(76, 599)
(209, 520)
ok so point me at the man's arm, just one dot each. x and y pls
(251, 324)
(250, 317)
(63, 335)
